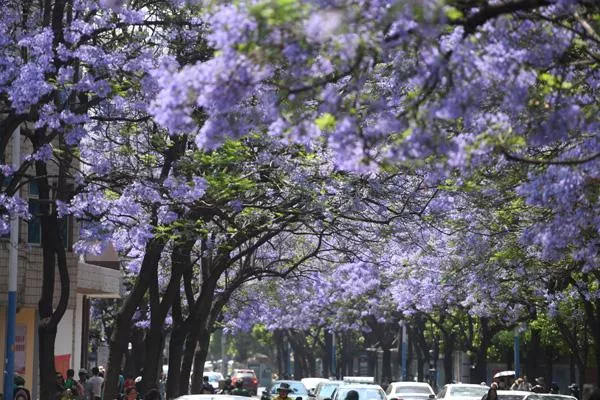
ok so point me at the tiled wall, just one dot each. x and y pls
(29, 284)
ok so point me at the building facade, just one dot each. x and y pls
(90, 276)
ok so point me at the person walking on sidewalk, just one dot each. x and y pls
(95, 385)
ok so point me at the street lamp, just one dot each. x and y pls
(518, 329)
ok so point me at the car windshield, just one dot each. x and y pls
(326, 389)
(468, 391)
(213, 378)
(363, 393)
(297, 388)
(413, 389)
(244, 375)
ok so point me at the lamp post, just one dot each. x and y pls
(404, 354)
(517, 333)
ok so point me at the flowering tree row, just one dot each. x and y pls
(416, 148)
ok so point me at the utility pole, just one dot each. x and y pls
(13, 270)
(404, 354)
(333, 357)
(224, 366)
(516, 353)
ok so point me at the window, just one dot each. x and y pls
(34, 225)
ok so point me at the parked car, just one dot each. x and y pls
(298, 390)
(214, 378)
(409, 391)
(462, 391)
(522, 395)
(511, 394)
(549, 396)
(365, 391)
(211, 397)
(248, 377)
(311, 383)
(324, 390)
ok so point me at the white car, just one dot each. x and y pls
(311, 383)
(409, 391)
(462, 391)
(512, 394)
(214, 378)
(365, 391)
(211, 397)
(521, 395)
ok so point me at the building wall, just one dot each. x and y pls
(29, 284)
(24, 345)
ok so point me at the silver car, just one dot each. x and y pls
(462, 391)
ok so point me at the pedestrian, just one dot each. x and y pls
(492, 393)
(385, 383)
(20, 392)
(282, 391)
(162, 385)
(540, 385)
(59, 386)
(138, 384)
(129, 382)
(81, 384)
(352, 395)
(71, 383)
(516, 384)
(95, 385)
(239, 389)
(227, 388)
(574, 390)
(121, 385)
(525, 385)
(207, 388)
(131, 393)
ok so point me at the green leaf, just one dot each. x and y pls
(326, 122)
(454, 14)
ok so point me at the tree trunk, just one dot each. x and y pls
(532, 362)
(448, 356)
(595, 325)
(175, 356)
(47, 336)
(153, 338)
(154, 345)
(386, 367)
(120, 335)
(327, 367)
(278, 339)
(53, 253)
(159, 309)
(199, 360)
(189, 350)
(480, 373)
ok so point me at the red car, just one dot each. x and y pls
(249, 378)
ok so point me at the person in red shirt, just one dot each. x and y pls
(129, 382)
